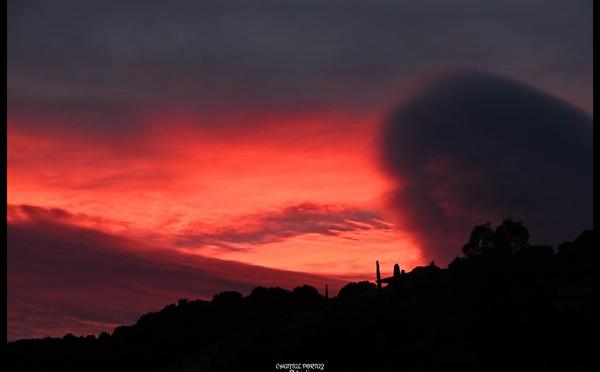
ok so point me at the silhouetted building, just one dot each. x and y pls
(395, 278)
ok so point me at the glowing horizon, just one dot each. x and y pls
(163, 185)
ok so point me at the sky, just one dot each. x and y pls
(160, 150)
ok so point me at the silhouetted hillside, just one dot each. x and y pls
(505, 305)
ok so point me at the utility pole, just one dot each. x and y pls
(378, 275)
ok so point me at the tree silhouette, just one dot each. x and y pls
(504, 291)
(356, 288)
(509, 237)
(480, 241)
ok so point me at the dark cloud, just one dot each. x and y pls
(275, 226)
(473, 147)
(97, 65)
(67, 278)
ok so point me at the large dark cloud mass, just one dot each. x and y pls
(473, 147)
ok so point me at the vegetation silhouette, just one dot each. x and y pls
(506, 305)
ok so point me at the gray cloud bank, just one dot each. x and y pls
(98, 65)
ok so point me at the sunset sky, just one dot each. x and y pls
(160, 150)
